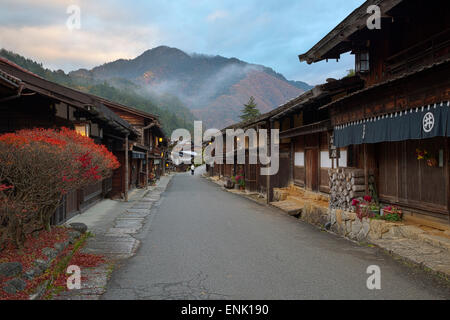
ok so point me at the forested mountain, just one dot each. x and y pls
(171, 111)
(214, 88)
(178, 86)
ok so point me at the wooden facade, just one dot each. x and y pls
(145, 154)
(305, 132)
(408, 73)
(406, 70)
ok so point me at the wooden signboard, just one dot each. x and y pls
(334, 153)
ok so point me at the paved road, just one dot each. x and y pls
(204, 243)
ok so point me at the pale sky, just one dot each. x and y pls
(267, 32)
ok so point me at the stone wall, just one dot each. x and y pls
(345, 184)
(313, 208)
(348, 225)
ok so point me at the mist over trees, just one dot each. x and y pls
(170, 109)
(212, 87)
(178, 87)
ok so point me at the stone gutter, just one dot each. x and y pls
(253, 196)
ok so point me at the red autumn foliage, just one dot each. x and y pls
(87, 260)
(82, 260)
(38, 166)
(32, 249)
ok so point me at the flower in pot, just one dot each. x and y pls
(360, 208)
(373, 209)
(366, 207)
(392, 213)
(240, 181)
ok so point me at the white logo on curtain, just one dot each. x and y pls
(428, 122)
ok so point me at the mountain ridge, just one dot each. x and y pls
(207, 84)
(178, 86)
(172, 113)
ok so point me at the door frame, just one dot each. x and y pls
(315, 177)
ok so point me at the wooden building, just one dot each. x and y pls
(305, 132)
(254, 182)
(29, 101)
(145, 157)
(403, 107)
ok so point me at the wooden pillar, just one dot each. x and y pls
(446, 168)
(370, 166)
(141, 169)
(269, 193)
(126, 168)
(146, 169)
(366, 170)
(291, 163)
(329, 133)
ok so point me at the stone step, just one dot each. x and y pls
(297, 199)
(290, 207)
(436, 241)
(418, 234)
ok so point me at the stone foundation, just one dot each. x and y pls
(298, 194)
(280, 194)
(348, 225)
(313, 207)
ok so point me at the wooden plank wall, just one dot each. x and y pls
(299, 172)
(118, 178)
(407, 181)
(323, 172)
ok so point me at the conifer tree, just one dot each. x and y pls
(250, 110)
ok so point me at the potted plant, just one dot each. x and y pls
(392, 213)
(366, 207)
(240, 182)
(236, 184)
(373, 210)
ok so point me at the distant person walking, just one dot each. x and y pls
(192, 169)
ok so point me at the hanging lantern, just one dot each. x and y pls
(362, 63)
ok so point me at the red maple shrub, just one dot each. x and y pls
(37, 167)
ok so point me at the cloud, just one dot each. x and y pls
(270, 32)
(216, 15)
(58, 47)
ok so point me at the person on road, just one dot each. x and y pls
(192, 169)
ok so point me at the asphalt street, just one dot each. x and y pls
(201, 242)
